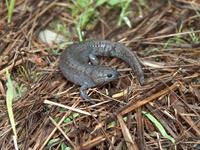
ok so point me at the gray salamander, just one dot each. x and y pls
(74, 64)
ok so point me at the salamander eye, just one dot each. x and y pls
(109, 75)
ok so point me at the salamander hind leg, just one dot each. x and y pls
(84, 95)
(93, 59)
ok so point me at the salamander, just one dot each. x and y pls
(75, 66)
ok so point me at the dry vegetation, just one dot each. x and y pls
(165, 35)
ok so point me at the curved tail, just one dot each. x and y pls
(113, 49)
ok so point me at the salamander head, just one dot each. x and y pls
(103, 75)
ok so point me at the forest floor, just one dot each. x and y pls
(49, 113)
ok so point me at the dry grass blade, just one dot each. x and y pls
(67, 107)
(97, 140)
(59, 128)
(133, 106)
(130, 142)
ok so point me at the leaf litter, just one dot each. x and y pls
(164, 34)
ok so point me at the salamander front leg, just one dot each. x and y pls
(84, 95)
(93, 59)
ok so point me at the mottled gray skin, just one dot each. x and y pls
(74, 64)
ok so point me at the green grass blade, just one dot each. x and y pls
(159, 126)
(100, 2)
(10, 6)
(10, 94)
(124, 14)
